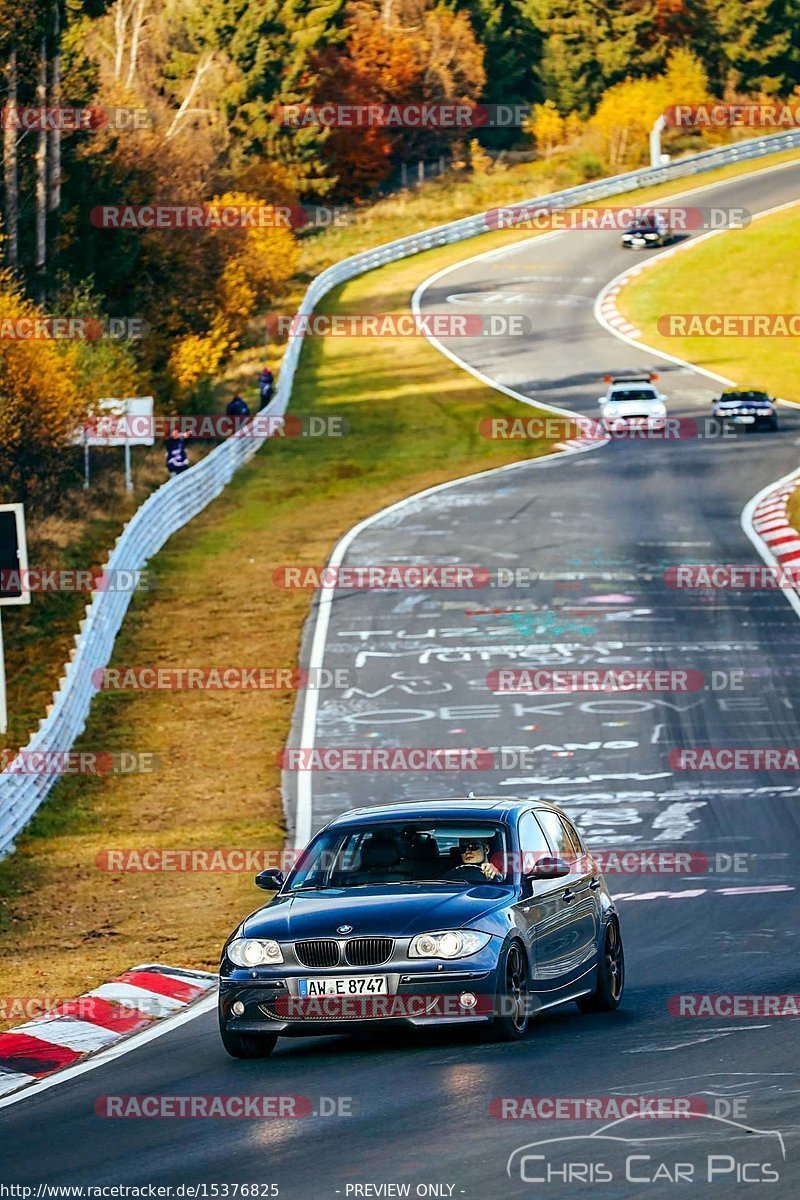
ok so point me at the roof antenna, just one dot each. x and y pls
(470, 795)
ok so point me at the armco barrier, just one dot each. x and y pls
(181, 498)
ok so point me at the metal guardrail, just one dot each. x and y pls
(175, 503)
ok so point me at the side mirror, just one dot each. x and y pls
(602, 399)
(662, 397)
(549, 867)
(270, 881)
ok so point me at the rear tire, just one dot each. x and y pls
(248, 1045)
(512, 1007)
(610, 983)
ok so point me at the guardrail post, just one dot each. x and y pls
(655, 141)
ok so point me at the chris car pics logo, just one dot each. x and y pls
(623, 1152)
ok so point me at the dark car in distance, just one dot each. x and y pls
(436, 913)
(647, 231)
(751, 410)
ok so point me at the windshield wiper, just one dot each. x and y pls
(425, 882)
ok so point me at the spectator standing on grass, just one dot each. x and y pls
(239, 409)
(177, 457)
(266, 385)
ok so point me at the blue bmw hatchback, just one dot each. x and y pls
(446, 912)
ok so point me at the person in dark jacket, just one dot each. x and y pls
(239, 409)
(177, 458)
(266, 385)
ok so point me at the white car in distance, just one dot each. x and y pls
(632, 398)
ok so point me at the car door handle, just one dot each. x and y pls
(567, 896)
(595, 884)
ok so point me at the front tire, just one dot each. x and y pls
(512, 1008)
(610, 983)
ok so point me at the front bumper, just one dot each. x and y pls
(747, 420)
(420, 993)
(638, 243)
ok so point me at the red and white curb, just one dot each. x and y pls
(770, 521)
(75, 1029)
(572, 444)
(607, 305)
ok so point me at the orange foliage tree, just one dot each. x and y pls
(406, 53)
(254, 265)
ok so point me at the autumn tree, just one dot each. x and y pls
(254, 266)
(547, 126)
(376, 65)
(627, 111)
(410, 52)
(41, 404)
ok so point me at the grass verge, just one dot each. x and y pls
(753, 270)
(756, 270)
(413, 420)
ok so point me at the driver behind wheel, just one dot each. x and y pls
(474, 856)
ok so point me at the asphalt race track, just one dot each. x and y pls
(596, 533)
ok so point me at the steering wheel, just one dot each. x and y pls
(470, 871)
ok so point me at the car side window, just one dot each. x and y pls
(532, 842)
(574, 837)
(557, 836)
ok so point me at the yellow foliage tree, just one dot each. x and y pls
(40, 403)
(256, 265)
(479, 160)
(546, 125)
(628, 111)
(573, 127)
(198, 356)
(685, 80)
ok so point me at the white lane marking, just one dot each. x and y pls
(460, 362)
(308, 727)
(709, 1037)
(618, 281)
(750, 891)
(108, 1055)
(747, 514)
(10, 1080)
(701, 187)
(690, 894)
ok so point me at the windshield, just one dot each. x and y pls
(402, 852)
(631, 394)
(744, 398)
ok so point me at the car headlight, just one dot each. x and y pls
(658, 410)
(453, 943)
(651, 237)
(254, 952)
(764, 412)
(610, 410)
